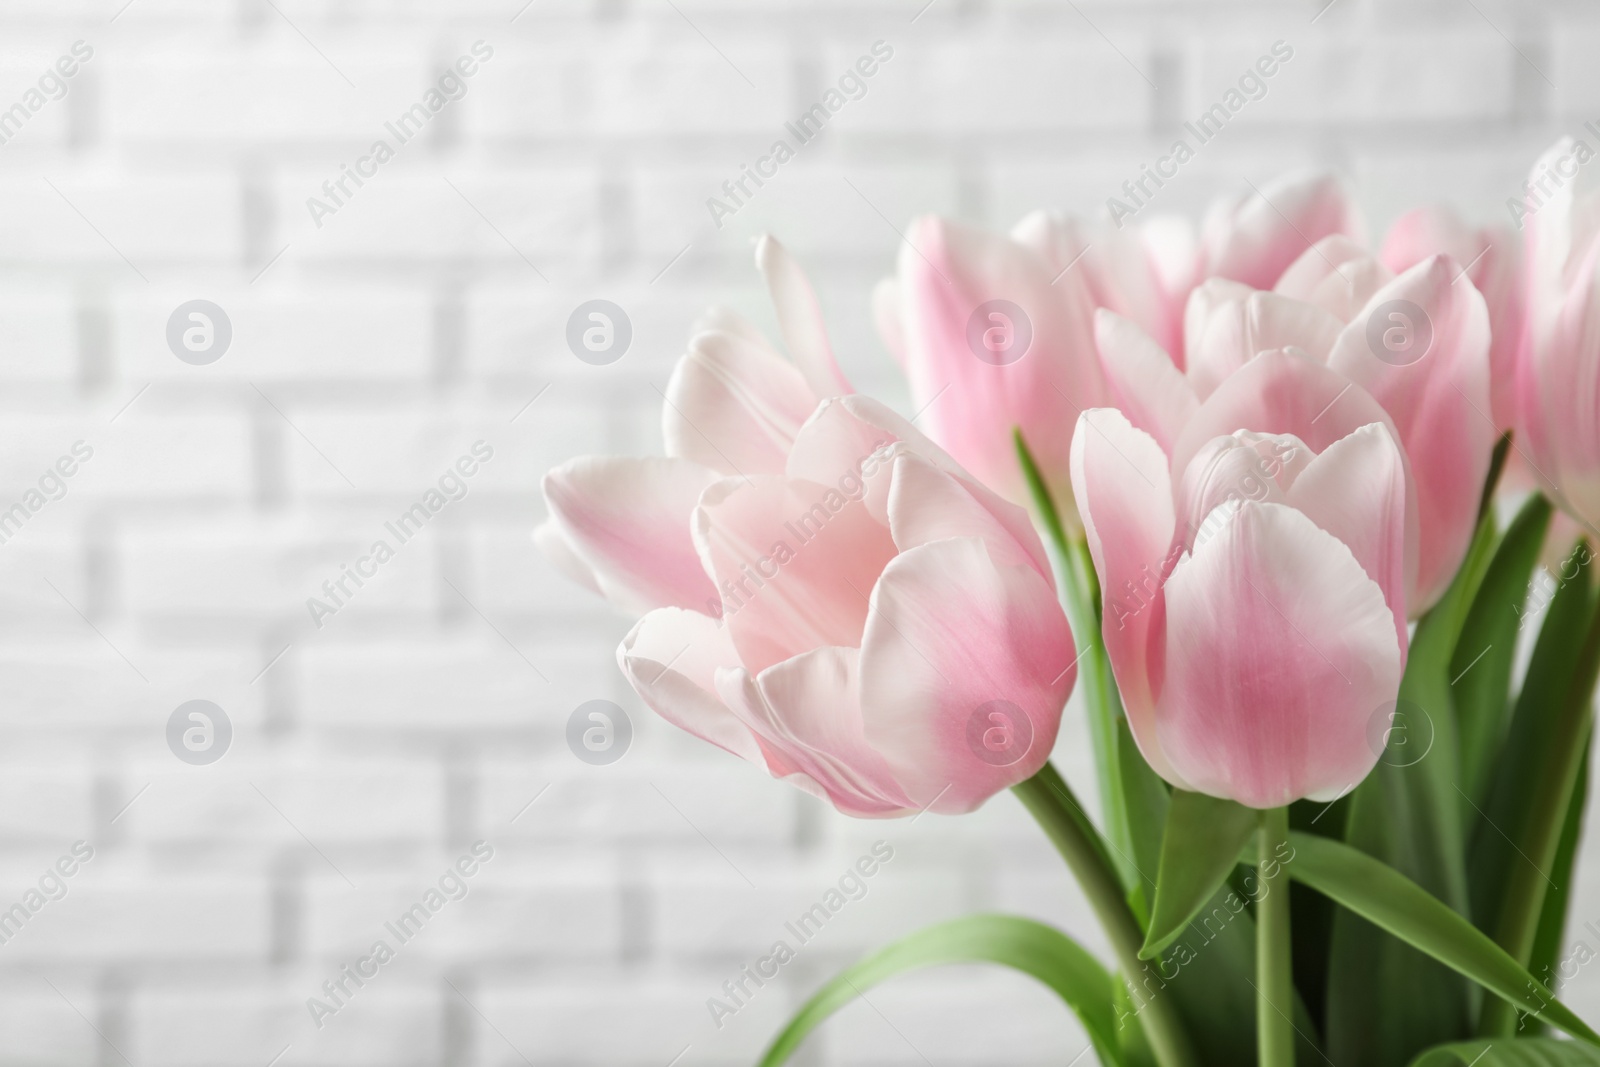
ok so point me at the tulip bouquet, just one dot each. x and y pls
(1276, 502)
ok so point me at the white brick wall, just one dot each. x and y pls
(423, 316)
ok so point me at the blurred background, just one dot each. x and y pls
(349, 353)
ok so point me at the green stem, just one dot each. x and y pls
(1552, 789)
(1050, 801)
(1274, 969)
(1080, 596)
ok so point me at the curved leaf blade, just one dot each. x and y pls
(1037, 950)
(1386, 1002)
(1538, 773)
(1535, 1052)
(1551, 935)
(1199, 847)
(1393, 902)
(1481, 667)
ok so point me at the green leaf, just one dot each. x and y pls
(1386, 1001)
(1551, 936)
(1539, 774)
(1199, 847)
(1313, 912)
(1480, 670)
(1079, 590)
(1147, 800)
(1555, 657)
(1037, 950)
(1389, 900)
(1540, 1052)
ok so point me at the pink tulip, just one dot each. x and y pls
(1558, 416)
(1253, 238)
(1490, 256)
(733, 407)
(1254, 580)
(825, 592)
(978, 368)
(890, 637)
(1436, 394)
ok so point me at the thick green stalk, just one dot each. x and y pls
(1274, 968)
(1552, 788)
(1050, 801)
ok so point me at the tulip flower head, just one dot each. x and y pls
(1254, 580)
(825, 592)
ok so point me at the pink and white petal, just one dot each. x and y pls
(1014, 519)
(671, 658)
(1255, 238)
(807, 712)
(1243, 466)
(1337, 275)
(1174, 249)
(1144, 382)
(1564, 391)
(1208, 300)
(928, 504)
(547, 538)
(1356, 491)
(836, 446)
(1239, 331)
(1426, 232)
(1282, 392)
(1323, 258)
(800, 318)
(1280, 650)
(1124, 494)
(795, 562)
(628, 521)
(951, 639)
(1117, 264)
(947, 273)
(1439, 403)
(734, 406)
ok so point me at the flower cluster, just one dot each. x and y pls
(1262, 454)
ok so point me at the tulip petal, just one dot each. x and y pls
(628, 520)
(1283, 392)
(1238, 331)
(927, 504)
(1356, 491)
(1205, 302)
(1563, 392)
(1124, 494)
(846, 431)
(1117, 264)
(1280, 651)
(734, 406)
(1242, 466)
(805, 334)
(1439, 404)
(947, 274)
(951, 640)
(1335, 274)
(795, 561)
(807, 712)
(671, 658)
(1257, 237)
(1144, 383)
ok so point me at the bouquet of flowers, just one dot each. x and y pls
(1310, 526)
